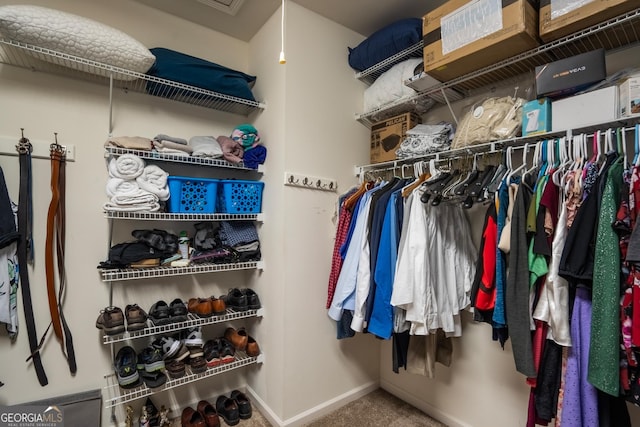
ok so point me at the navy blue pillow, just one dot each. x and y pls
(182, 68)
(385, 42)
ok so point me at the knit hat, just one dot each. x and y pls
(246, 135)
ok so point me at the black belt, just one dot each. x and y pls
(24, 228)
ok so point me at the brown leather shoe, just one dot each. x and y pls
(253, 350)
(218, 306)
(209, 414)
(192, 418)
(201, 307)
(238, 338)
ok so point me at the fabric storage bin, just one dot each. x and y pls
(192, 195)
(240, 197)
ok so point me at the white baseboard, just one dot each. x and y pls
(428, 409)
(313, 413)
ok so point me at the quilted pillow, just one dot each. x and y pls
(385, 42)
(74, 35)
(390, 87)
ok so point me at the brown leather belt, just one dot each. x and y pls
(56, 238)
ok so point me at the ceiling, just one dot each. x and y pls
(361, 16)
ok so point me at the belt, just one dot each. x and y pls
(56, 238)
(24, 208)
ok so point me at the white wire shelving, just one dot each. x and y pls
(110, 275)
(166, 216)
(36, 58)
(618, 32)
(174, 158)
(115, 395)
(192, 321)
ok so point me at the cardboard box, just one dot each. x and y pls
(536, 117)
(570, 75)
(559, 18)
(629, 96)
(462, 36)
(588, 109)
(387, 135)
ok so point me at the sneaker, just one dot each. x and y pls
(111, 321)
(178, 311)
(125, 367)
(183, 352)
(212, 353)
(168, 345)
(160, 313)
(153, 379)
(136, 317)
(152, 359)
(193, 337)
(227, 352)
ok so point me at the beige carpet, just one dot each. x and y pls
(378, 408)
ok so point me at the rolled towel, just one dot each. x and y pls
(127, 166)
(154, 180)
(131, 142)
(205, 146)
(171, 147)
(232, 150)
(121, 186)
(163, 137)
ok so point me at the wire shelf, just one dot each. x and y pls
(618, 32)
(110, 275)
(115, 395)
(41, 59)
(174, 158)
(372, 73)
(165, 216)
(192, 321)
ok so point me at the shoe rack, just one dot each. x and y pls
(113, 394)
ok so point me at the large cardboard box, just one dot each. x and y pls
(587, 109)
(559, 18)
(629, 96)
(387, 135)
(462, 36)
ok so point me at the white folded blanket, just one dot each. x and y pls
(127, 166)
(154, 180)
(143, 201)
(205, 146)
(122, 187)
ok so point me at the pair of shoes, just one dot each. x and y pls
(242, 341)
(218, 351)
(163, 314)
(204, 416)
(242, 299)
(207, 307)
(112, 321)
(153, 415)
(175, 368)
(194, 343)
(126, 368)
(234, 408)
(171, 347)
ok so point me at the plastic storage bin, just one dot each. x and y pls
(239, 197)
(192, 195)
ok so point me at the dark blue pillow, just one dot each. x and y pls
(385, 42)
(182, 68)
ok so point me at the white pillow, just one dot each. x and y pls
(390, 85)
(73, 35)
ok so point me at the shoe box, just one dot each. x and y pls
(570, 75)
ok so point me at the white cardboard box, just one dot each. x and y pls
(629, 93)
(591, 108)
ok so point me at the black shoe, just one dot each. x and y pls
(152, 412)
(236, 300)
(253, 301)
(126, 367)
(160, 313)
(244, 404)
(178, 311)
(227, 408)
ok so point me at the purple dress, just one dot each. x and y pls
(580, 403)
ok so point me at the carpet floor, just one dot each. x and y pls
(378, 408)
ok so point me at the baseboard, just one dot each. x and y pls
(428, 409)
(313, 413)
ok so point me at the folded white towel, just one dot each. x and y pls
(127, 166)
(143, 201)
(172, 146)
(121, 186)
(154, 180)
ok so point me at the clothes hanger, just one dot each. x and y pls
(470, 179)
(422, 176)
